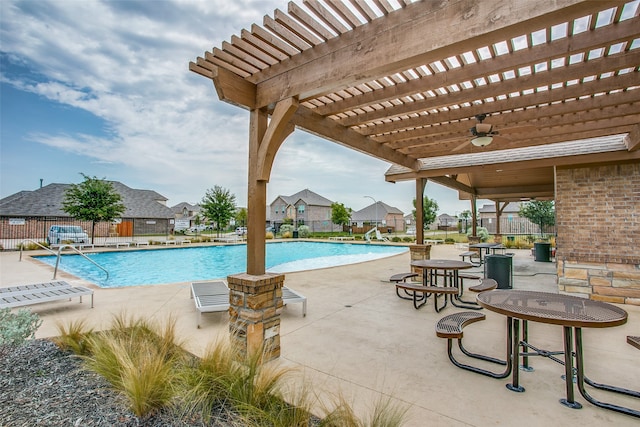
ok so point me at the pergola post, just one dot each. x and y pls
(256, 297)
(474, 222)
(419, 251)
(499, 209)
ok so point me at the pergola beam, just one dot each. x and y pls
(632, 141)
(407, 37)
(329, 129)
(521, 58)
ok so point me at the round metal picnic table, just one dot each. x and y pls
(486, 247)
(430, 266)
(449, 268)
(572, 313)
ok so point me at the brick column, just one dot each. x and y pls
(419, 252)
(256, 303)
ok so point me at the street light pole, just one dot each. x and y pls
(376, 208)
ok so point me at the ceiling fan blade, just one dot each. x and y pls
(461, 146)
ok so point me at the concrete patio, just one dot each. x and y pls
(361, 340)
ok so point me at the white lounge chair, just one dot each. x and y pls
(210, 297)
(52, 291)
(291, 296)
(36, 286)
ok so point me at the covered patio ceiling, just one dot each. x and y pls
(558, 80)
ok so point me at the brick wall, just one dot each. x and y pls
(598, 223)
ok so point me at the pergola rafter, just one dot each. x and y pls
(405, 82)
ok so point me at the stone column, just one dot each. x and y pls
(419, 252)
(255, 307)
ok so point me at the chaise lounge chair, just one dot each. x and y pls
(210, 297)
(19, 296)
(291, 296)
(35, 286)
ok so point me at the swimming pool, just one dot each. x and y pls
(140, 267)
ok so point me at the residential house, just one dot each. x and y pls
(29, 214)
(387, 218)
(185, 215)
(410, 222)
(303, 208)
(446, 222)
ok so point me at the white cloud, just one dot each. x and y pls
(127, 63)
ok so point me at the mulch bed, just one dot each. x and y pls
(40, 385)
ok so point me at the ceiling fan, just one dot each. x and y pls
(482, 132)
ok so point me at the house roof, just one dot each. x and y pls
(177, 209)
(447, 217)
(47, 201)
(513, 207)
(407, 81)
(376, 211)
(308, 197)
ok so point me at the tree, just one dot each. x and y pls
(93, 200)
(429, 211)
(241, 217)
(540, 212)
(340, 214)
(219, 205)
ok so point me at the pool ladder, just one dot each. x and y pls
(59, 253)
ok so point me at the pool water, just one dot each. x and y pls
(129, 268)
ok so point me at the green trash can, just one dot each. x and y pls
(500, 269)
(295, 234)
(542, 251)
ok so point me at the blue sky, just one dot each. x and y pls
(103, 88)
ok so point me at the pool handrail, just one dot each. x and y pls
(37, 244)
(55, 271)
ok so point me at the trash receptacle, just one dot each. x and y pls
(542, 251)
(500, 269)
(295, 234)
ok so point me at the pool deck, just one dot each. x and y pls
(359, 339)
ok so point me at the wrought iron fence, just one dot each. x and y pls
(15, 230)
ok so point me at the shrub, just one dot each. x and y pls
(482, 233)
(384, 414)
(139, 359)
(16, 328)
(396, 239)
(303, 231)
(74, 337)
(30, 246)
(254, 389)
(408, 239)
(286, 229)
(449, 240)
(269, 235)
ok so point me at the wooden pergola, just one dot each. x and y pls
(407, 82)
